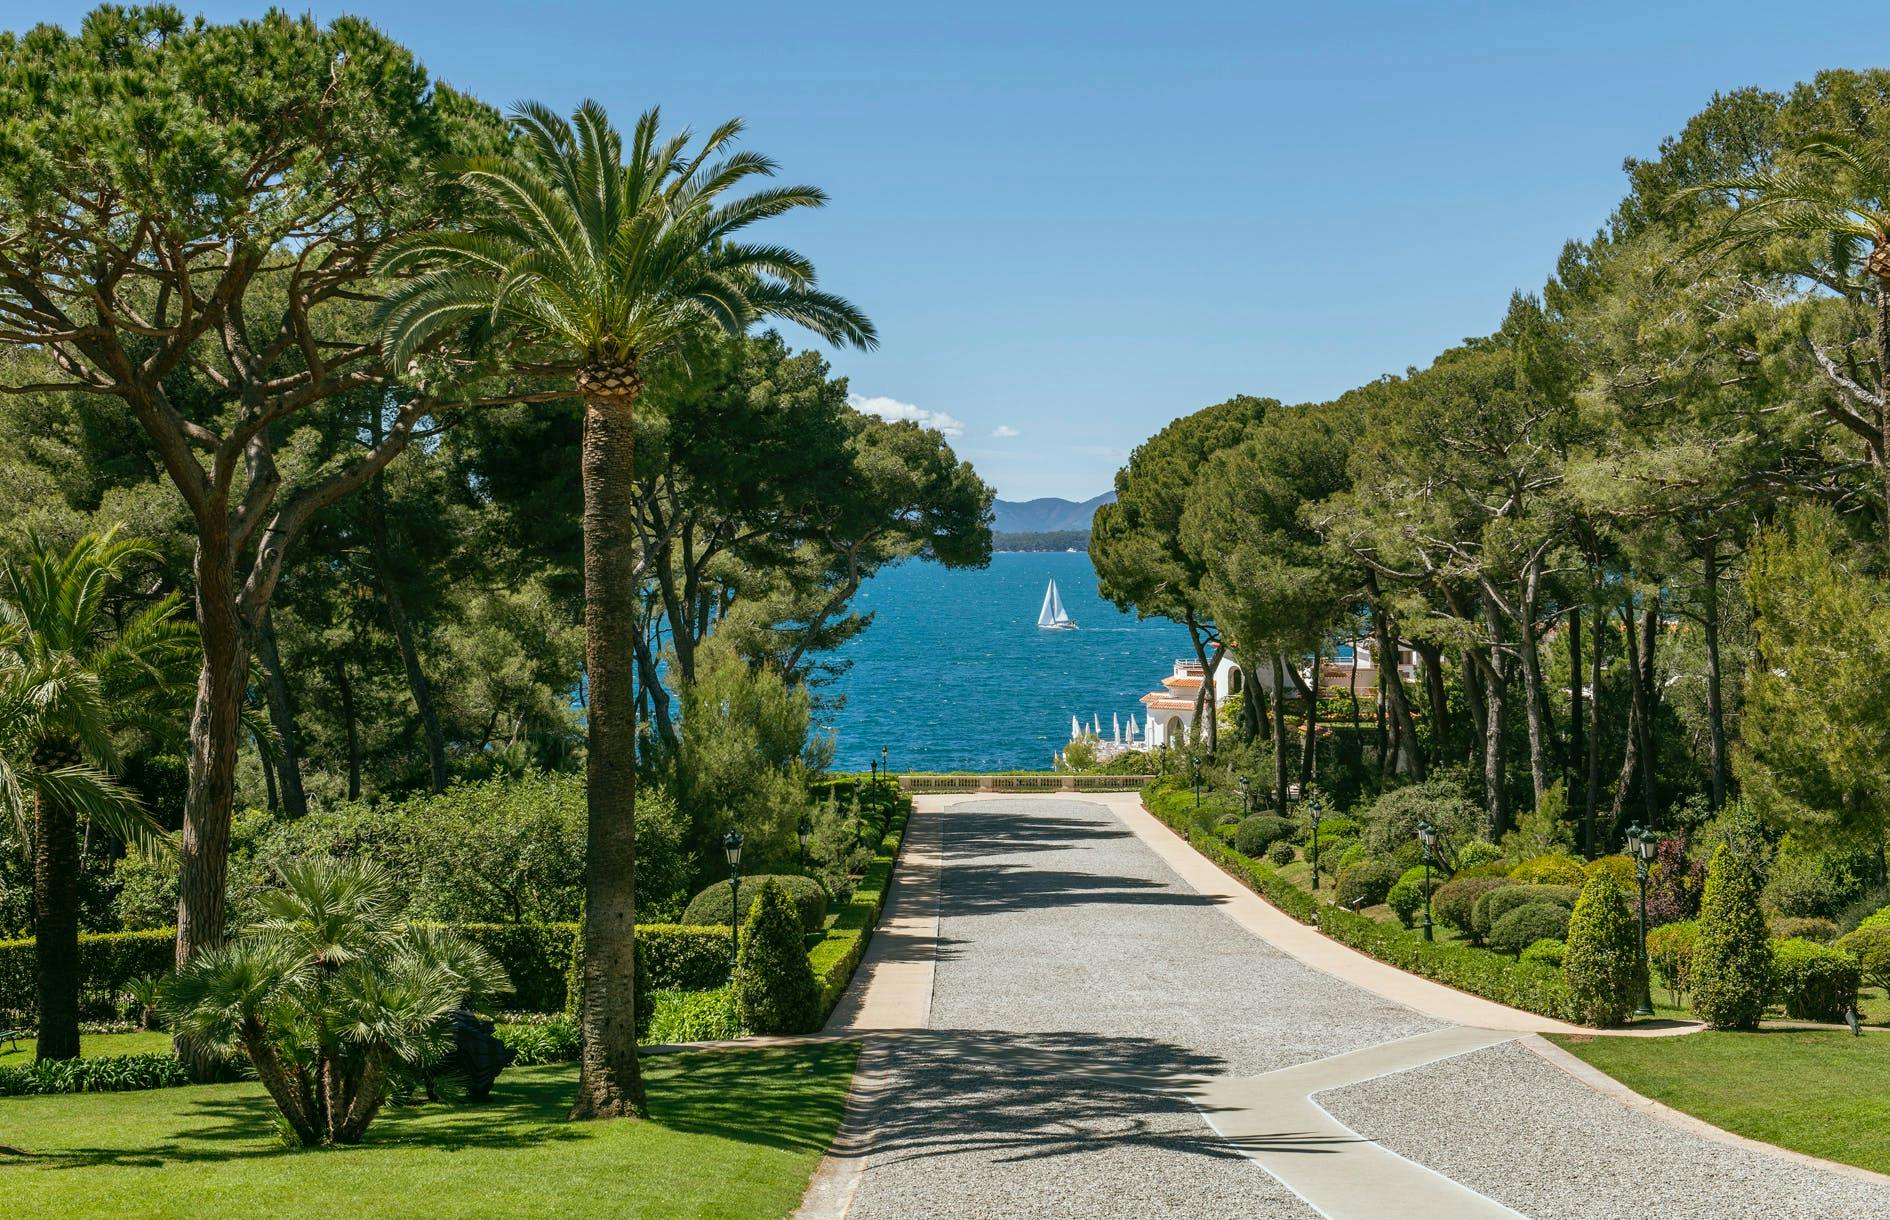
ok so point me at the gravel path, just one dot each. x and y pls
(1080, 988)
(1513, 1126)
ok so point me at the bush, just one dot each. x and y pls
(686, 957)
(1603, 965)
(1477, 853)
(1454, 902)
(696, 1016)
(105, 1074)
(1546, 952)
(1673, 892)
(775, 991)
(1814, 982)
(838, 952)
(1555, 869)
(1331, 853)
(1366, 883)
(1619, 867)
(1732, 961)
(1869, 947)
(1518, 984)
(1392, 820)
(1260, 832)
(1819, 884)
(1507, 897)
(1805, 928)
(712, 905)
(552, 1042)
(534, 956)
(1281, 854)
(1523, 926)
(1670, 955)
(107, 963)
(1406, 898)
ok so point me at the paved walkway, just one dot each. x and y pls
(1061, 1021)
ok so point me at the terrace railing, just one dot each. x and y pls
(1042, 782)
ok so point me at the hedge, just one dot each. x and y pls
(107, 961)
(711, 906)
(834, 958)
(1524, 985)
(105, 1074)
(1814, 982)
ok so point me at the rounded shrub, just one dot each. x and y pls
(1804, 927)
(1354, 854)
(1603, 964)
(712, 905)
(1406, 898)
(1732, 960)
(1525, 925)
(1280, 853)
(1454, 901)
(1498, 902)
(1546, 952)
(1332, 852)
(1670, 955)
(1814, 982)
(1260, 832)
(1477, 853)
(1366, 883)
(1552, 869)
(1869, 947)
(775, 990)
(1617, 866)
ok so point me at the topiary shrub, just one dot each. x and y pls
(1549, 870)
(712, 905)
(1366, 883)
(1804, 927)
(1670, 955)
(1545, 952)
(1814, 982)
(1257, 834)
(1869, 947)
(1406, 898)
(1603, 964)
(1619, 867)
(1498, 902)
(1732, 960)
(775, 991)
(1332, 853)
(1281, 854)
(1354, 854)
(1527, 924)
(1455, 901)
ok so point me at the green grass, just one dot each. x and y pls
(731, 1134)
(1814, 1091)
(92, 1046)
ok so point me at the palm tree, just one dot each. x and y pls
(1833, 190)
(72, 688)
(588, 264)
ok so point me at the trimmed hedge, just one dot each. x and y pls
(105, 1074)
(1261, 831)
(775, 988)
(712, 906)
(107, 961)
(1366, 883)
(1732, 960)
(1814, 982)
(1455, 901)
(1492, 906)
(1602, 966)
(834, 958)
(1523, 926)
(686, 957)
(534, 956)
(1554, 869)
(1546, 953)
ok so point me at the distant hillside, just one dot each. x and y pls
(1050, 514)
(1048, 540)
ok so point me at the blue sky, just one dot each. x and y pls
(1073, 222)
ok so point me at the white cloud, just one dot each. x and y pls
(1005, 432)
(892, 408)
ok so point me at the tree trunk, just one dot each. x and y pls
(1309, 724)
(1650, 621)
(56, 918)
(417, 684)
(351, 726)
(1631, 764)
(1436, 693)
(1715, 707)
(215, 729)
(270, 797)
(1591, 786)
(1279, 735)
(1534, 701)
(1572, 758)
(1496, 723)
(282, 715)
(609, 1082)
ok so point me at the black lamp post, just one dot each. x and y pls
(885, 768)
(875, 765)
(1246, 797)
(1312, 807)
(1427, 839)
(732, 848)
(1642, 844)
(801, 832)
(1194, 764)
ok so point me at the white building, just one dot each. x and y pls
(1169, 712)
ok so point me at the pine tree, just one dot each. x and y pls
(1732, 961)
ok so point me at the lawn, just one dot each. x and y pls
(1814, 1091)
(91, 1046)
(732, 1134)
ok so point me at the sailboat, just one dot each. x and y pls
(1054, 617)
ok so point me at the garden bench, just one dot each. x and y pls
(13, 1036)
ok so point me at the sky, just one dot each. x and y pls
(1074, 222)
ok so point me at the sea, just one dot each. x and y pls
(954, 674)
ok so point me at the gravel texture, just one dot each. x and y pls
(1515, 1127)
(1080, 987)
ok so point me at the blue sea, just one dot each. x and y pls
(954, 674)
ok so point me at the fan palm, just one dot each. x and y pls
(1833, 190)
(73, 687)
(587, 263)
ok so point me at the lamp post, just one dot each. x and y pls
(732, 848)
(1427, 839)
(1246, 797)
(885, 768)
(875, 765)
(1642, 844)
(801, 831)
(1312, 807)
(1194, 764)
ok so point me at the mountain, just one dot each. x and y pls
(1046, 515)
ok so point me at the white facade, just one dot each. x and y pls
(1170, 711)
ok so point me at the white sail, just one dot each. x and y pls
(1115, 722)
(1053, 615)
(1076, 730)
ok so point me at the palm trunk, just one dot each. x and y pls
(609, 1083)
(1883, 396)
(56, 922)
(282, 715)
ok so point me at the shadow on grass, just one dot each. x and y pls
(779, 1097)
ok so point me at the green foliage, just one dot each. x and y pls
(713, 905)
(1545, 952)
(1523, 926)
(1603, 964)
(1824, 931)
(1732, 959)
(1552, 869)
(1670, 955)
(1392, 820)
(1366, 883)
(712, 1015)
(1816, 884)
(108, 962)
(1406, 898)
(1260, 832)
(1281, 854)
(105, 1074)
(1455, 901)
(1498, 902)
(552, 1042)
(685, 957)
(1814, 982)
(1869, 947)
(1518, 984)
(775, 989)
(1542, 831)
(1477, 853)
(1619, 867)
(839, 951)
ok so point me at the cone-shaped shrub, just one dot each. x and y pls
(775, 991)
(1602, 965)
(1732, 959)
